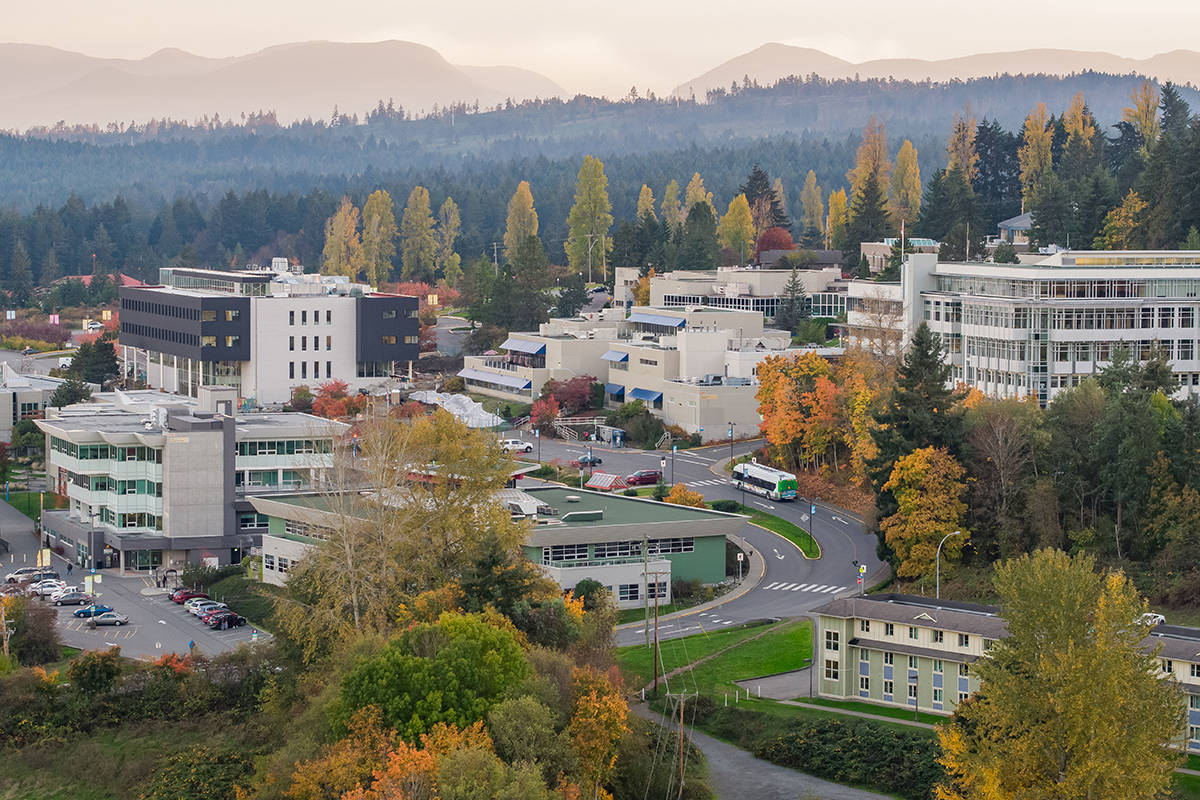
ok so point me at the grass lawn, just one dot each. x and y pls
(1187, 786)
(638, 667)
(27, 502)
(635, 614)
(788, 530)
(786, 647)
(250, 598)
(870, 708)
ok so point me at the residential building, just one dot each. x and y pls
(1039, 328)
(693, 366)
(573, 535)
(156, 480)
(919, 653)
(263, 331)
(738, 288)
(24, 396)
(878, 253)
(1015, 230)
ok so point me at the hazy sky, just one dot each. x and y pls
(607, 47)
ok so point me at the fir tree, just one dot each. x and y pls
(793, 306)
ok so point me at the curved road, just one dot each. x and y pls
(792, 585)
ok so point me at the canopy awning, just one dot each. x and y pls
(656, 319)
(478, 375)
(614, 388)
(614, 355)
(645, 394)
(523, 346)
(604, 481)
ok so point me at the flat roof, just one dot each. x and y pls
(618, 509)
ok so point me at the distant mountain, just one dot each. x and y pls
(43, 85)
(773, 61)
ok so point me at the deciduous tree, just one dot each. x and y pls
(1124, 226)
(449, 224)
(905, 202)
(680, 495)
(1034, 155)
(736, 231)
(418, 248)
(871, 159)
(645, 203)
(672, 209)
(812, 212)
(343, 252)
(590, 219)
(522, 219)
(1143, 114)
(378, 237)
(835, 226)
(930, 487)
(696, 193)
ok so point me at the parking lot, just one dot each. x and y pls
(156, 625)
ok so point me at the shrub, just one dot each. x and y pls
(200, 773)
(728, 506)
(95, 671)
(630, 492)
(590, 591)
(454, 384)
(660, 492)
(685, 588)
(202, 576)
(34, 633)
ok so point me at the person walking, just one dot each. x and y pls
(70, 567)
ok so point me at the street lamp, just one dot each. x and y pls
(92, 544)
(731, 445)
(938, 563)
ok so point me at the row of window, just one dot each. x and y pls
(106, 451)
(159, 309)
(211, 341)
(1101, 289)
(937, 636)
(283, 447)
(864, 683)
(252, 520)
(276, 564)
(316, 370)
(160, 334)
(632, 591)
(295, 528)
(622, 549)
(316, 317)
(106, 483)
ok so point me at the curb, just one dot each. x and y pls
(804, 555)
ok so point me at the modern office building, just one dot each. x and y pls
(1035, 329)
(573, 535)
(693, 366)
(916, 652)
(156, 480)
(738, 288)
(263, 332)
(24, 396)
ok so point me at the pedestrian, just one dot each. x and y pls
(70, 567)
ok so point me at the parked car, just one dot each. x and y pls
(93, 610)
(65, 590)
(45, 588)
(108, 618)
(516, 446)
(225, 619)
(73, 599)
(644, 477)
(204, 606)
(183, 595)
(587, 460)
(43, 575)
(209, 613)
(22, 574)
(194, 600)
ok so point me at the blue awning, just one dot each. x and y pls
(656, 319)
(614, 388)
(523, 346)
(615, 355)
(479, 376)
(645, 394)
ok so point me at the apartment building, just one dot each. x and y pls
(738, 288)
(1036, 329)
(693, 366)
(573, 535)
(263, 331)
(156, 480)
(917, 652)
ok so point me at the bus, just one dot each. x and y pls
(773, 483)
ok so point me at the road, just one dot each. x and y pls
(791, 585)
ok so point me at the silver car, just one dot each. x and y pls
(108, 618)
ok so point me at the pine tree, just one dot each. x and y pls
(20, 276)
(765, 207)
(590, 220)
(522, 219)
(51, 271)
(698, 250)
(378, 236)
(418, 248)
(867, 218)
(793, 305)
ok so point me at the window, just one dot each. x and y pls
(964, 640)
(913, 632)
(938, 665)
(864, 683)
(269, 562)
(888, 686)
(1194, 702)
(864, 625)
(328, 369)
(303, 342)
(316, 343)
(988, 644)
(317, 369)
(626, 549)
(231, 315)
(233, 341)
(912, 691)
(283, 565)
(831, 640)
(675, 545)
(912, 662)
(388, 340)
(889, 629)
(328, 342)
(303, 317)
(889, 658)
(389, 314)
(864, 655)
(291, 370)
(303, 369)
(1194, 732)
(1195, 668)
(208, 315)
(831, 669)
(291, 318)
(962, 696)
(316, 316)
(291, 343)
(208, 341)
(937, 695)
(565, 552)
(412, 340)
(964, 670)
(1168, 666)
(658, 590)
(329, 316)
(938, 636)
(628, 591)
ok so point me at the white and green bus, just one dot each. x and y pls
(773, 483)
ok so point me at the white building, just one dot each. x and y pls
(262, 331)
(738, 288)
(1035, 329)
(156, 480)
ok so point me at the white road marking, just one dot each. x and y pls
(802, 587)
(839, 519)
(764, 505)
(727, 622)
(774, 585)
(784, 587)
(833, 589)
(820, 588)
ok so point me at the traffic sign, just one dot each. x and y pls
(862, 569)
(741, 556)
(813, 509)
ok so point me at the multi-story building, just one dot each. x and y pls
(263, 331)
(1036, 329)
(918, 653)
(24, 396)
(695, 367)
(157, 480)
(573, 534)
(737, 288)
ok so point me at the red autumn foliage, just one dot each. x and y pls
(775, 239)
(333, 401)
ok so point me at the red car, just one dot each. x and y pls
(183, 595)
(644, 477)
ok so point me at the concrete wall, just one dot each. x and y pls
(198, 483)
(267, 377)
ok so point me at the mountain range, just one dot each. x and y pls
(770, 62)
(43, 85)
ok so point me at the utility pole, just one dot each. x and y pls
(646, 587)
(657, 652)
(682, 697)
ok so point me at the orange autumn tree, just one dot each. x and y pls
(784, 382)
(597, 724)
(859, 400)
(929, 486)
(334, 400)
(349, 762)
(411, 772)
(680, 495)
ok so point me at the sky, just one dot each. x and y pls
(605, 48)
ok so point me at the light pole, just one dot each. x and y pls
(92, 546)
(731, 445)
(938, 565)
(674, 447)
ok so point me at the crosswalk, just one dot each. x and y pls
(712, 482)
(816, 588)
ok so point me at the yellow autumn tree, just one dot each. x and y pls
(641, 289)
(1124, 225)
(343, 251)
(1034, 155)
(812, 210)
(960, 150)
(378, 236)
(672, 211)
(835, 224)
(736, 229)
(347, 763)
(598, 722)
(696, 193)
(1143, 114)
(645, 202)
(929, 486)
(680, 495)
(522, 219)
(784, 385)
(871, 158)
(860, 398)
(905, 202)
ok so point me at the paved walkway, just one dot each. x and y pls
(734, 774)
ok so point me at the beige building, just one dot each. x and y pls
(737, 288)
(878, 253)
